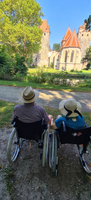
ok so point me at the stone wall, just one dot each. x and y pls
(84, 43)
(84, 38)
(43, 53)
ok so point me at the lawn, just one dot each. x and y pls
(6, 111)
(26, 81)
(50, 70)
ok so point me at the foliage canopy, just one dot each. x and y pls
(56, 47)
(87, 57)
(19, 26)
(88, 23)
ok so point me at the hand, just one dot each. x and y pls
(50, 117)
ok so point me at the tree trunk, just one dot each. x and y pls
(25, 63)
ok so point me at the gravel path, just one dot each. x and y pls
(47, 97)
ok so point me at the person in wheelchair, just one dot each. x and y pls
(70, 113)
(29, 112)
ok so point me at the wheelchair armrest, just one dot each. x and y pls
(86, 125)
(64, 126)
(14, 121)
(43, 124)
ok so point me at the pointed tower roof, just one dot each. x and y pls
(72, 41)
(68, 33)
(44, 26)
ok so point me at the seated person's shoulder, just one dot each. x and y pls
(60, 119)
(18, 106)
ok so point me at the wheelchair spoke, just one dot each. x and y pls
(13, 147)
(53, 159)
(85, 158)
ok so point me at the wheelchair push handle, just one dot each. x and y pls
(14, 120)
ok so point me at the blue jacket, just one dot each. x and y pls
(79, 123)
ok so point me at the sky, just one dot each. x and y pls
(60, 14)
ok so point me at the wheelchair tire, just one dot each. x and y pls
(53, 159)
(45, 149)
(85, 158)
(14, 146)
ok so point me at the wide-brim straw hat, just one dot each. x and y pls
(70, 105)
(28, 95)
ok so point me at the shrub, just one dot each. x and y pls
(5, 61)
(19, 65)
(40, 76)
(51, 65)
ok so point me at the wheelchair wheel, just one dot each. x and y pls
(45, 149)
(53, 158)
(14, 146)
(85, 158)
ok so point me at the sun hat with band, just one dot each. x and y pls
(28, 95)
(70, 108)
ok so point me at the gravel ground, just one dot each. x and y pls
(28, 180)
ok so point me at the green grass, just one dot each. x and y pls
(49, 70)
(6, 111)
(83, 87)
(45, 86)
(8, 172)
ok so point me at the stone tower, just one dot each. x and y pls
(84, 38)
(41, 58)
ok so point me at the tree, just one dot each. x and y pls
(19, 26)
(56, 47)
(88, 23)
(87, 57)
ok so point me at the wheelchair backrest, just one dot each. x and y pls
(74, 136)
(30, 131)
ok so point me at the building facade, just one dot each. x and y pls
(41, 59)
(73, 49)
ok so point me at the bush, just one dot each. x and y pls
(19, 65)
(5, 62)
(11, 66)
(40, 76)
(51, 65)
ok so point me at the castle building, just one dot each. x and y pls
(41, 58)
(70, 54)
(84, 38)
(73, 49)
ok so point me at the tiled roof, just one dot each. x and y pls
(83, 26)
(44, 26)
(71, 41)
(68, 33)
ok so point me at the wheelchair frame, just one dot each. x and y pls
(80, 137)
(15, 143)
(49, 143)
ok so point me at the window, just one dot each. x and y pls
(77, 53)
(72, 55)
(36, 59)
(65, 56)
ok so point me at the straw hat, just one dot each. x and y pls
(70, 108)
(28, 95)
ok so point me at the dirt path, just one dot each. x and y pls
(28, 180)
(47, 97)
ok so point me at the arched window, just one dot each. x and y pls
(72, 55)
(65, 56)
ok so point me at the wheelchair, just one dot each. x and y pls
(67, 135)
(27, 131)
